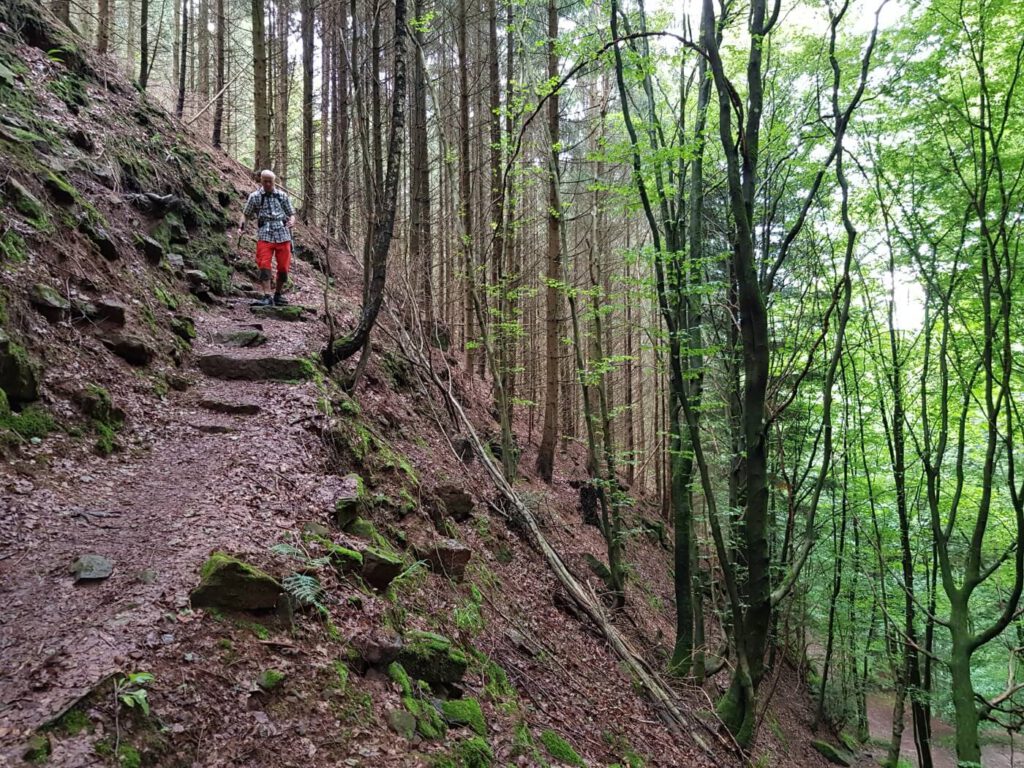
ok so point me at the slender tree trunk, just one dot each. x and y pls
(308, 175)
(203, 39)
(62, 10)
(180, 107)
(143, 43)
(465, 191)
(553, 302)
(420, 235)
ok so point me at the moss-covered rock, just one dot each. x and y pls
(49, 302)
(362, 528)
(344, 559)
(230, 583)
(832, 753)
(27, 204)
(350, 501)
(270, 679)
(291, 313)
(18, 377)
(473, 753)
(560, 749)
(465, 712)
(380, 568)
(433, 658)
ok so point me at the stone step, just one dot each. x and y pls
(292, 312)
(256, 368)
(234, 409)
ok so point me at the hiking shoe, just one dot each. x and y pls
(280, 301)
(266, 301)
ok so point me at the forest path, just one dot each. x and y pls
(192, 481)
(994, 755)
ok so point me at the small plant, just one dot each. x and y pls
(130, 690)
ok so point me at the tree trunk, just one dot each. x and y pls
(344, 348)
(553, 302)
(261, 115)
(103, 27)
(308, 176)
(420, 235)
(143, 43)
(183, 57)
(218, 110)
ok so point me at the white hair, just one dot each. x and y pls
(267, 174)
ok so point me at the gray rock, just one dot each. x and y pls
(99, 237)
(153, 251)
(18, 377)
(196, 277)
(256, 368)
(380, 568)
(456, 501)
(92, 568)
(176, 260)
(50, 303)
(378, 648)
(447, 557)
(245, 337)
(110, 311)
(131, 349)
(401, 722)
(230, 583)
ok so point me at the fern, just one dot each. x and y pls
(305, 590)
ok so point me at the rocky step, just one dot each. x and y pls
(234, 409)
(266, 368)
(291, 312)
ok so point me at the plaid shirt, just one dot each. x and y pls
(272, 211)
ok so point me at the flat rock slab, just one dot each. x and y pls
(244, 337)
(92, 568)
(291, 312)
(234, 409)
(447, 557)
(256, 368)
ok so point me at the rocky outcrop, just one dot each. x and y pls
(256, 368)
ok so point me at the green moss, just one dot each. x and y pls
(73, 722)
(38, 749)
(270, 679)
(343, 558)
(342, 673)
(31, 423)
(128, 757)
(28, 205)
(560, 749)
(428, 719)
(474, 753)
(465, 712)
(398, 674)
(13, 249)
(166, 298)
(363, 528)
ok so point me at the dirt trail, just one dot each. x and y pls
(880, 726)
(191, 481)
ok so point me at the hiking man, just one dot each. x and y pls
(275, 215)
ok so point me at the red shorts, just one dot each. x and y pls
(280, 252)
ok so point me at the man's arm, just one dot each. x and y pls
(248, 212)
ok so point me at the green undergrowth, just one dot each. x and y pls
(560, 749)
(33, 423)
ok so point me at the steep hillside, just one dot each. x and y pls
(383, 610)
